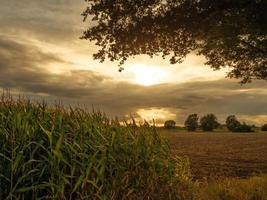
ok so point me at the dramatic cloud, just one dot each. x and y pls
(40, 37)
(23, 67)
(49, 20)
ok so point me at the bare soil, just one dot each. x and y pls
(217, 155)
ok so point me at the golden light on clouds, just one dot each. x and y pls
(41, 55)
(257, 119)
(158, 114)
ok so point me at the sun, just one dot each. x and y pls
(147, 75)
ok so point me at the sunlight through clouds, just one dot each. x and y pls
(147, 75)
(158, 114)
(44, 55)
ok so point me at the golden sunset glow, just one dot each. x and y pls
(44, 55)
(157, 114)
(147, 75)
(114, 99)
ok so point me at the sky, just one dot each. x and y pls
(42, 56)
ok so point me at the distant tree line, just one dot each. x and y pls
(210, 122)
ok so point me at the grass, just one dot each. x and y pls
(254, 188)
(51, 152)
(57, 153)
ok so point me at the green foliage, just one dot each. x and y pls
(145, 124)
(191, 123)
(169, 124)
(227, 33)
(209, 122)
(57, 153)
(264, 127)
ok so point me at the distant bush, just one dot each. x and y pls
(54, 153)
(169, 124)
(209, 122)
(191, 123)
(235, 126)
(264, 127)
(244, 128)
(232, 123)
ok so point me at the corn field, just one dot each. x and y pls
(52, 152)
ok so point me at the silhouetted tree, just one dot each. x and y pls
(232, 123)
(191, 123)
(169, 124)
(228, 33)
(209, 122)
(235, 126)
(264, 127)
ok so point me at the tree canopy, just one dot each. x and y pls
(232, 123)
(209, 122)
(191, 123)
(264, 127)
(169, 124)
(229, 33)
